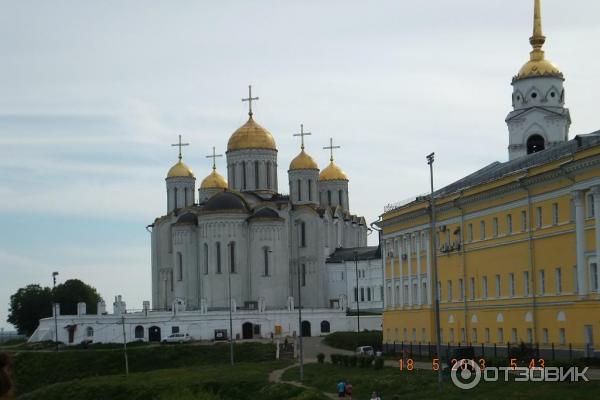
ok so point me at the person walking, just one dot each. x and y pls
(349, 390)
(341, 388)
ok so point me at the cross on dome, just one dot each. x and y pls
(214, 157)
(330, 148)
(250, 99)
(180, 145)
(302, 134)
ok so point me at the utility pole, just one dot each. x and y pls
(296, 223)
(125, 346)
(438, 347)
(230, 317)
(54, 275)
(357, 295)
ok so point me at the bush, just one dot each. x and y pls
(366, 362)
(351, 340)
(353, 361)
(346, 360)
(320, 358)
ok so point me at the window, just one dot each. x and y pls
(310, 190)
(256, 175)
(340, 198)
(542, 282)
(439, 291)
(299, 190)
(463, 336)
(362, 294)
(449, 290)
(472, 288)
(523, 221)
(474, 335)
(244, 174)
(484, 287)
(232, 257)
(487, 335)
(218, 256)
(326, 328)
(303, 274)
(461, 289)
(590, 212)
(526, 283)
(205, 248)
(424, 293)
(139, 332)
(368, 294)
(302, 234)
(529, 335)
(174, 329)
(175, 198)
(355, 294)
(90, 331)
(405, 334)
(498, 286)
(414, 334)
(268, 174)
(179, 267)
(538, 219)
(514, 336)
(495, 227)
(482, 230)
(558, 280)
(594, 276)
(545, 336)
(500, 338)
(451, 335)
(554, 213)
(185, 196)
(470, 232)
(415, 293)
(509, 227)
(266, 252)
(562, 336)
(329, 198)
(511, 284)
(405, 293)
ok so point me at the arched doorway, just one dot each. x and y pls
(325, 328)
(305, 329)
(154, 334)
(535, 143)
(247, 330)
(139, 332)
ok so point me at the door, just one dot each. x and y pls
(247, 330)
(154, 334)
(305, 329)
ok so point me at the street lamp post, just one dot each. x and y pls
(55, 310)
(357, 295)
(296, 223)
(230, 319)
(438, 347)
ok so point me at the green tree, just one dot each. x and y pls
(74, 291)
(28, 306)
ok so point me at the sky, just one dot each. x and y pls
(92, 94)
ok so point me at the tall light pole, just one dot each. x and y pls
(55, 310)
(438, 346)
(230, 318)
(357, 296)
(296, 223)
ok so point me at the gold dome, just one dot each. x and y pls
(303, 161)
(214, 181)
(332, 173)
(251, 136)
(180, 170)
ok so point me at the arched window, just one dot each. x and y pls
(325, 327)
(268, 175)
(185, 196)
(218, 256)
(302, 234)
(266, 255)
(329, 198)
(256, 181)
(90, 331)
(310, 190)
(243, 174)
(175, 198)
(340, 198)
(232, 257)
(179, 267)
(139, 332)
(535, 143)
(299, 190)
(303, 271)
(205, 259)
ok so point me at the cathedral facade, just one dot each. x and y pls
(243, 237)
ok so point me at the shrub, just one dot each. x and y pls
(353, 361)
(351, 340)
(366, 362)
(320, 358)
(378, 364)
(346, 360)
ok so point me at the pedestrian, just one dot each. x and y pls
(349, 390)
(375, 396)
(285, 344)
(341, 388)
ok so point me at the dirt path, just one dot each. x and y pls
(275, 377)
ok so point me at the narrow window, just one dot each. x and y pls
(474, 335)
(268, 175)
(500, 335)
(523, 221)
(266, 253)
(205, 259)
(368, 294)
(509, 227)
(256, 175)
(362, 294)
(470, 232)
(299, 190)
(310, 190)
(218, 257)
(341, 196)
(562, 336)
(554, 213)
(545, 336)
(495, 227)
(185, 196)
(355, 294)
(487, 335)
(449, 291)
(542, 282)
(526, 283)
(538, 222)
(424, 293)
(482, 230)
(232, 257)
(175, 198)
(90, 331)
(329, 197)
(461, 289)
(405, 294)
(303, 274)
(594, 276)
(558, 279)
(484, 287)
(179, 267)
(590, 205)
(244, 175)
(415, 293)
(472, 288)
(498, 286)
(303, 234)
(511, 284)
(515, 336)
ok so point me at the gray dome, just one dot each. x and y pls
(225, 201)
(188, 218)
(266, 212)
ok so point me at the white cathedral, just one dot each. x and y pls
(244, 252)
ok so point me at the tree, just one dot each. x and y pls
(33, 302)
(28, 306)
(74, 291)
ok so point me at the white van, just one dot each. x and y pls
(365, 351)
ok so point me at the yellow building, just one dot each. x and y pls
(517, 242)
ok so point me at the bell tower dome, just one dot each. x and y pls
(539, 118)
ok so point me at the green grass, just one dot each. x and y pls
(419, 384)
(243, 381)
(351, 340)
(35, 369)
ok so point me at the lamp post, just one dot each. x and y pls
(357, 295)
(230, 318)
(55, 310)
(438, 347)
(296, 223)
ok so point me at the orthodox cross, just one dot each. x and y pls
(302, 134)
(180, 145)
(250, 99)
(330, 148)
(214, 157)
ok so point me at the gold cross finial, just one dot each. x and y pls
(250, 99)
(180, 145)
(214, 157)
(330, 148)
(302, 134)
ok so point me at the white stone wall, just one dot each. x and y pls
(267, 169)
(180, 192)
(334, 187)
(342, 281)
(309, 193)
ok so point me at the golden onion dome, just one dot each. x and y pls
(303, 161)
(251, 136)
(332, 173)
(214, 181)
(537, 65)
(180, 170)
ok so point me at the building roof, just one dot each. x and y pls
(225, 201)
(347, 254)
(251, 136)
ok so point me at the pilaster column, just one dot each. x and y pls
(401, 267)
(409, 272)
(580, 243)
(419, 285)
(385, 274)
(596, 193)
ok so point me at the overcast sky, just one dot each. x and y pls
(92, 94)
